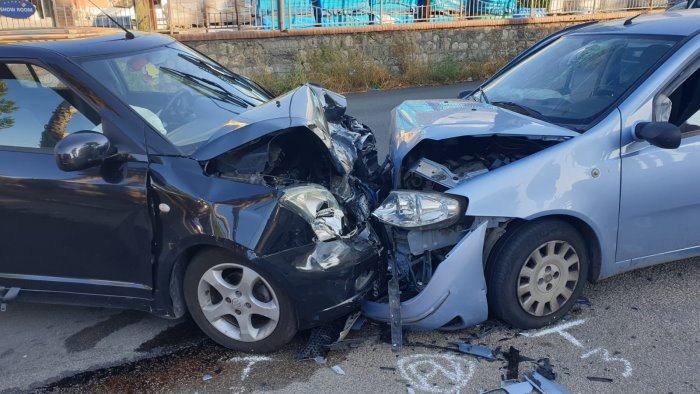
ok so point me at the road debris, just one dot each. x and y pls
(481, 330)
(512, 388)
(320, 360)
(475, 350)
(599, 379)
(584, 301)
(206, 377)
(544, 385)
(337, 369)
(320, 339)
(513, 359)
(349, 324)
(545, 368)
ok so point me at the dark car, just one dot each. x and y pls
(138, 173)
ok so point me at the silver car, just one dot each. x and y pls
(576, 162)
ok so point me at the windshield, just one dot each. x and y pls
(575, 79)
(180, 93)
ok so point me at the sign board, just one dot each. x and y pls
(17, 9)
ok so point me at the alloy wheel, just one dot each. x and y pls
(238, 302)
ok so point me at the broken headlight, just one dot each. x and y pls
(318, 207)
(412, 209)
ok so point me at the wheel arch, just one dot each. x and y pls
(176, 271)
(584, 229)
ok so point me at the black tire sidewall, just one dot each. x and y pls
(507, 259)
(286, 326)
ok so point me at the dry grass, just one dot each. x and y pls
(352, 70)
(345, 71)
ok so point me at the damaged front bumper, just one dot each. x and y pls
(328, 280)
(454, 298)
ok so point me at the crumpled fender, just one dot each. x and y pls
(456, 290)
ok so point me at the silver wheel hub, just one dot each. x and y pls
(548, 278)
(238, 302)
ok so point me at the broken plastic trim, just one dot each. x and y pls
(454, 298)
(512, 388)
(475, 350)
(544, 385)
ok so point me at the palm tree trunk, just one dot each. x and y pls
(55, 129)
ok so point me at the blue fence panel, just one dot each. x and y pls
(331, 13)
(524, 12)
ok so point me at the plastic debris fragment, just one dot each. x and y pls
(349, 323)
(337, 369)
(599, 379)
(512, 388)
(584, 301)
(545, 368)
(474, 350)
(544, 385)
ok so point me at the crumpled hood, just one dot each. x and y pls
(306, 106)
(417, 120)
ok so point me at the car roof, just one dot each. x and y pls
(674, 23)
(82, 42)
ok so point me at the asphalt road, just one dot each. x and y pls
(638, 335)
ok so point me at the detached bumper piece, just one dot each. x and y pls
(454, 298)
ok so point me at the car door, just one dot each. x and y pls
(660, 189)
(85, 231)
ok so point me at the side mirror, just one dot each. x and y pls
(81, 150)
(662, 134)
(465, 94)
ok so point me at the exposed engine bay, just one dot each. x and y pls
(440, 165)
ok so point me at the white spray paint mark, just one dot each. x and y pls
(251, 360)
(558, 330)
(436, 373)
(606, 357)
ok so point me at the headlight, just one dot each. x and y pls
(412, 209)
(318, 207)
(307, 200)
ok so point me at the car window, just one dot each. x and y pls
(184, 96)
(685, 104)
(37, 109)
(575, 79)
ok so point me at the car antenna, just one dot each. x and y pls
(129, 35)
(629, 21)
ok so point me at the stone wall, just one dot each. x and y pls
(256, 53)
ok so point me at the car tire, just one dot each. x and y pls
(536, 272)
(236, 304)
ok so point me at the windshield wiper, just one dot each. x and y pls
(235, 78)
(520, 108)
(208, 85)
